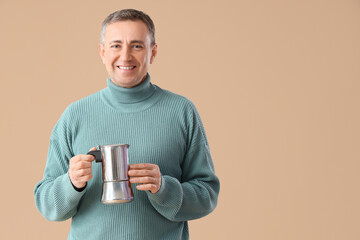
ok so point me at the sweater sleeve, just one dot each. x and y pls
(195, 195)
(55, 196)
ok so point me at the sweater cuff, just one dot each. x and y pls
(78, 189)
(69, 189)
(162, 187)
(164, 192)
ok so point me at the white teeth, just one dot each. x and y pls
(126, 68)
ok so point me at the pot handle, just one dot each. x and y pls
(96, 154)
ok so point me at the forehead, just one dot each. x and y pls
(127, 31)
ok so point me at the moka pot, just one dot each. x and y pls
(115, 165)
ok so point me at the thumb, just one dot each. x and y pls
(93, 157)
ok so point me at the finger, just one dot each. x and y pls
(140, 173)
(147, 187)
(83, 172)
(83, 164)
(144, 180)
(84, 178)
(93, 149)
(142, 166)
(86, 157)
(82, 158)
(80, 165)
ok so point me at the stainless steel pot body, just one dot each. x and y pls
(115, 164)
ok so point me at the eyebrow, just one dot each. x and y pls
(133, 41)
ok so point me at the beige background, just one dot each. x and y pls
(276, 83)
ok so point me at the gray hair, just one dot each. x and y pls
(132, 15)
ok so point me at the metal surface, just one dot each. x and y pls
(116, 192)
(115, 165)
(115, 162)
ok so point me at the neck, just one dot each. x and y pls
(126, 86)
(130, 99)
(135, 94)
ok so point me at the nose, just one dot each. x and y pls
(125, 54)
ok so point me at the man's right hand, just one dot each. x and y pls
(80, 169)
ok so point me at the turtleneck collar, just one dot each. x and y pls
(131, 99)
(131, 95)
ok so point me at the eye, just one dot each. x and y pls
(137, 46)
(115, 46)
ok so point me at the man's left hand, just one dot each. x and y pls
(148, 175)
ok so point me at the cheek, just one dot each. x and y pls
(146, 60)
(110, 57)
(107, 62)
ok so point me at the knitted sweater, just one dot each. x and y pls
(161, 128)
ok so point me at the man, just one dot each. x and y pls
(171, 165)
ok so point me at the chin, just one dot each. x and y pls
(126, 84)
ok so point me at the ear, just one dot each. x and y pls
(101, 52)
(153, 53)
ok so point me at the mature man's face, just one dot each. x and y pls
(127, 52)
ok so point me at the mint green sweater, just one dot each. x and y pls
(160, 127)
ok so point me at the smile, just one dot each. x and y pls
(126, 68)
